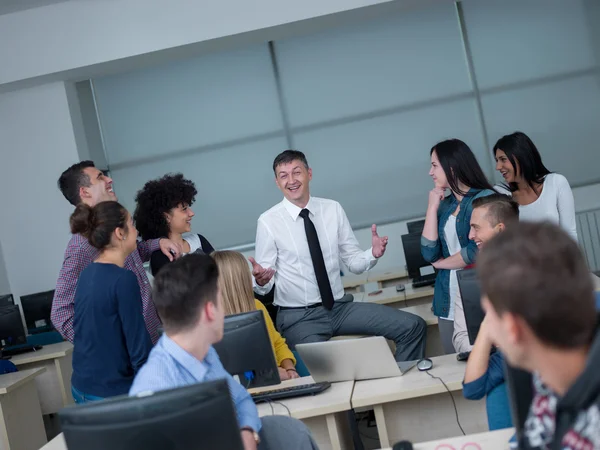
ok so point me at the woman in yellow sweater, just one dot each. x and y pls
(235, 282)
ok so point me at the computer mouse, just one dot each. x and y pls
(400, 288)
(425, 364)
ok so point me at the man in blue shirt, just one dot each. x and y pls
(189, 304)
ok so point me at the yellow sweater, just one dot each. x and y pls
(280, 348)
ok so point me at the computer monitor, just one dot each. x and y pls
(36, 309)
(246, 351)
(415, 263)
(470, 293)
(416, 226)
(196, 416)
(519, 385)
(11, 327)
(7, 300)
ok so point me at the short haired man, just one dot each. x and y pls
(84, 183)
(540, 310)
(189, 302)
(491, 215)
(299, 243)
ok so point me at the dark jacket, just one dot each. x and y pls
(159, 259)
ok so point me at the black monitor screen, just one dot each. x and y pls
(7, 300)
(412, 252)
(519, 385)
(11, 327)
(470, 293)
(246, 351)
(36, 309)
(416, 226)
(196, 416)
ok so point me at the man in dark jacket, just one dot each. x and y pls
(541, 311)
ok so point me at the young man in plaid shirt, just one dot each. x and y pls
(83, 182)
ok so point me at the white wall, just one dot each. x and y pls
(76, 34)
(37, 143)
(4, 283)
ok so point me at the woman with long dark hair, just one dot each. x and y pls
(542, 195)
(111, 340)
(445, 240)
(164, 209)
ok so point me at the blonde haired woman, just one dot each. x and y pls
(235, 283)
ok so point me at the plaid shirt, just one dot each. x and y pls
(78, 256)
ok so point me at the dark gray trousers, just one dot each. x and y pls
(282, 432)
(408, 331)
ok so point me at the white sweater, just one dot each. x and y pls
(555, 204)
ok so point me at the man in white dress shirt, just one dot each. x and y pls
(299, 243)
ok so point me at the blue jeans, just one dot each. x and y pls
(80, 397)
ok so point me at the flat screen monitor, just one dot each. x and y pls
(197, 416)
(246, 351)
(416, 226)
(415, 263)
(470, 293)
(36, 309)
(7, 300)
(519, 386)
(11, 327)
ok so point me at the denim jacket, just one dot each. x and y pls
(434, 250)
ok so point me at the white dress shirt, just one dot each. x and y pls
(281, 244)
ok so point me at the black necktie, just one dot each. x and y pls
(317, 259)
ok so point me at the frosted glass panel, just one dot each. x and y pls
(235, 185)
(562, 119)
(411, 57)
(519, 40)
(378, 169)
(210, 99)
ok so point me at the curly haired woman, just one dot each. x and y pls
(164, 210)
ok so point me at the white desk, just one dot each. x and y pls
(324, 414)
(58, 443)
(54, 385)
(383, 278)
(390, 297)
(417, 407)
(490, 440)
(21, 423)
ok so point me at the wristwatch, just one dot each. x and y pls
(254, 434)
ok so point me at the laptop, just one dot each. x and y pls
(470, 293)
(352, 359)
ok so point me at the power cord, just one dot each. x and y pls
(453, 402)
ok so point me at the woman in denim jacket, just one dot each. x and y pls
(445, 240)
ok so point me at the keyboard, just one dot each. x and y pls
(292, 391)
(20, 350)
(424, 281)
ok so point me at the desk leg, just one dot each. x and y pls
(331, 431)
(64, 370)
(384, 440)
(21, 423)
(334, 436)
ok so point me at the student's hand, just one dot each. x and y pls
(379, 243)
(248, 440)
(292, 373)
(260, 274)
(437, 263)
(436, 195)
(283, 374)
(170, 248)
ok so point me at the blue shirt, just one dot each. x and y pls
(434, 250)
(169, 366)
(111, 340)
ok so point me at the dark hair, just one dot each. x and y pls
(500, 209)
(97, 224)
(537, 272)
(287, 157)
(158, 197)
(520, 149)
(74, 178)
(460, 165)
(182, 288)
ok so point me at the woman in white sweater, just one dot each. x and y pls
(541, 195)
